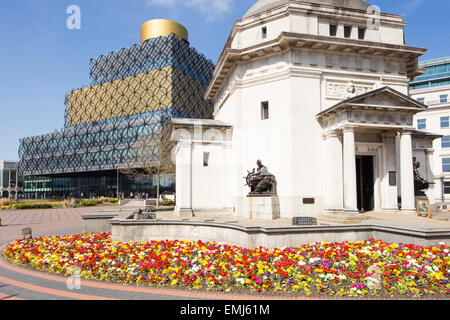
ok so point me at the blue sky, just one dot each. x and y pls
(41, 60)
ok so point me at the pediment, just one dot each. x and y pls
(386, 99)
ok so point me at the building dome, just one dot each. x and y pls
(263, 5)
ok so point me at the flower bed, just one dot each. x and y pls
(346, 269)
(26, 205)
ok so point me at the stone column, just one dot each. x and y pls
(389, 194)
(333, 173)
(349, 158)
(407, 173)
(429, 153)
(183, 206)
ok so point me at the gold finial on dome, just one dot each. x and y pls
(161, 28)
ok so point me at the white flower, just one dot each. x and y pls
(442, 243)
(359, 292)
(435, 268)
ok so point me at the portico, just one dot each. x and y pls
(364, 171)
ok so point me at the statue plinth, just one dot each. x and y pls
(262, 201)
(266, 207)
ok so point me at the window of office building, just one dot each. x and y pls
(447, 187)
(333, 30)
(443, 98)
(445, 122)
(445, 142)
(5, 176)
(421, 100)
(421, 124)
(446, 165)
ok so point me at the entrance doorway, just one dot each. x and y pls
(365, 182)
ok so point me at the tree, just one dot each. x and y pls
(151, 155)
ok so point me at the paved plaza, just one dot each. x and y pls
(17, 283)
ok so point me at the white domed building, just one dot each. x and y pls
(317, 90)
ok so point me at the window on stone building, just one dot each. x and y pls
(445, 142)
(421, 100)
(264, 32)
(347, 31)
(421, 124)
(443, 98)
(361, 33)
(206, 159)
(445, 122)
(446, 165)
(264, 110)
(333, 30)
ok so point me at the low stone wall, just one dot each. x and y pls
(269, 237)
(100, 222)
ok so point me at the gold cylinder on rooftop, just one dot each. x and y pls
(161, 28)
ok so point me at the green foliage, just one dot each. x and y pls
(90, 203)
(167, 203)
(32, 205)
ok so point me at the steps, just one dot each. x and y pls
(343, 219)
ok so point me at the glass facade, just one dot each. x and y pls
(447, 187)
(437, 74)
(5, 178)
(446, 165)
(10, 182)
(92, 185)
(133, 93)
(445, 142)
(421, 124)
